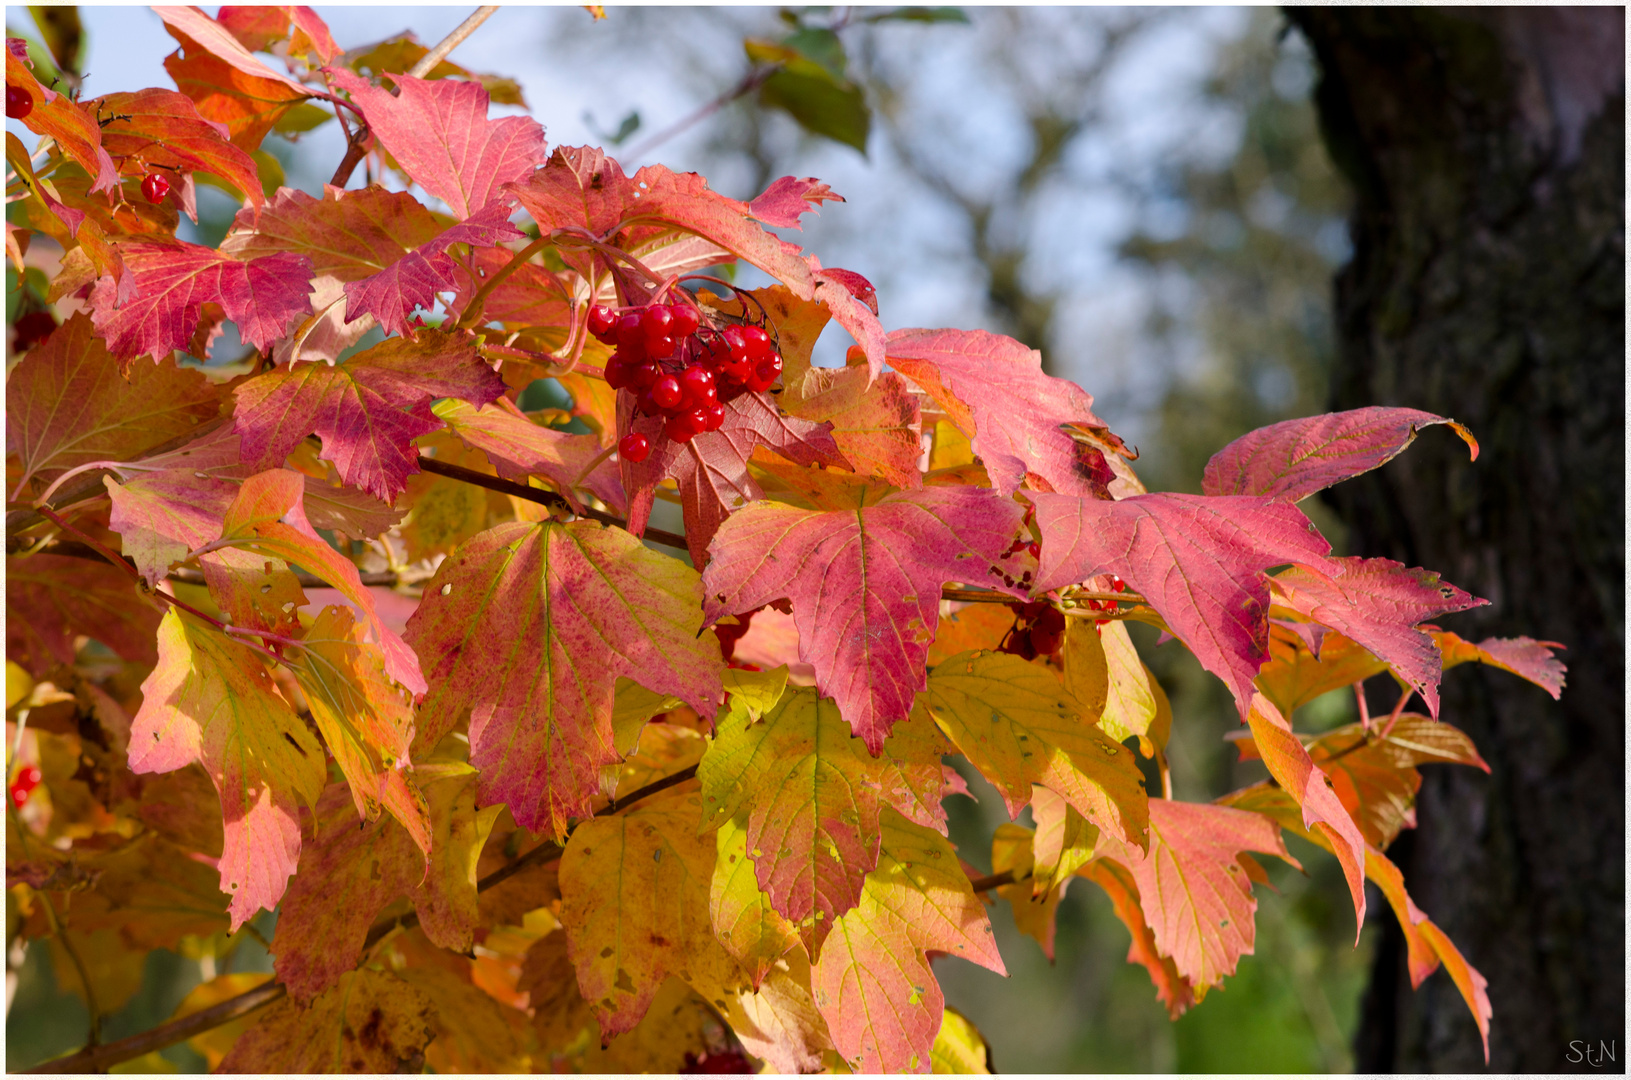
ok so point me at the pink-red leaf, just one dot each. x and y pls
(865, 585)
(439, 133)
(1522, 656)
(161, 129)
(1377, 603)
(190, 23)
(519, 448)
(1199, 561)
(788, 198)
(1293, 459)
(63, 119)
(347, 235)
(52, 598)
(264, 297)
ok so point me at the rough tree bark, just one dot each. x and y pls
(1486, 149)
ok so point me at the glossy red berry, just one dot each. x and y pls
(602, 320)
(655, 320)
(682, 427)
(697, 384)
(660, 346)
(19, 102)
(617, 372)
(716, 417)
(757, 342)
(765, 372)
(686, 320)
(155, 187)
(628, 332)
(666, 393)
(634, 447)
(23, 786)
(644, 375)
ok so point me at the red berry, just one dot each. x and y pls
(764, 373)
(634, 447)
(660, 346)
(19, 795)
(155, 187)
(757, 342)
(666, 393)
(1116, 584)
(737, 341)
(617, 372)
(19, 102)
(697, 383)
(1035, 549)
(644, 375)
(655, 319)
(602, 320)
(628, 332)
(686, 320)
(716, 417)
(682, 427)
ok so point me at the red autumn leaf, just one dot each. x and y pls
(161, 129)
(1172, 989)
(1195, 894)
(711, 469)
(217, 38)
(367, 410)
(1378, 604)
(52, 598)
(259, 28)
(854, 303)
(1291, 460)
(438, 131)
(211, 700)
(61, 118)
(530, 625)
(1199, 561)
(1294, 770)
(994, 389)
(248, 105)
(865, 585)
(347, 235)
(813, 796)
(519, 448)
(348, 875)
(67, 405)
(872, 981)
(1296, 674)
(1522, 656)
(788, 198)
(584, 189)
(264, 297)
(414, 280)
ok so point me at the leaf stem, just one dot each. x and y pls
(472, 310)
(95, 545)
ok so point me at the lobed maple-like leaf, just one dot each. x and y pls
(67, 405)
(1020, 726)
(347, 235)
(52, 598)
(1173, 990)
(373, 1022)
(218, 40)
(1198, 560)
(59, 117)
(744, 919)
(439, 133)
(1195, 894)
(789, 198)
(1524, 657)
(211, 700)
(994, 389)
(161, 129)
(528, 626)
(520, 448)
(1296, 673)
(264, 297)
(348, 875)
(368, 410)
(814, 797)
(1378, 604)
(711, 469)
(1291, 460)
(268, 517)
(225, 83)
(634, 904)
(1294, 770)
(872, 981)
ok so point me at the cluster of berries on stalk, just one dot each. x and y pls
(680, 367)
(1039, 629)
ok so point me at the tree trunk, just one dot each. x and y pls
(1486, 149)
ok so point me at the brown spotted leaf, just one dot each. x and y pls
(372, 1022)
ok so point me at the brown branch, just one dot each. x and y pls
(995, 881)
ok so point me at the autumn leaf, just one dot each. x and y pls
(367, 410)
(267, 517)
(439, 133)
(161, 129)
(711, 469)
(959, 1047)
(634, 904)
(152, 893)
(51, 598)
(1291, 460)
(520, 448)
(872, 981)
(1295, 674)
(211, 700)
(1375, 775)
(1195, 894)
(1012, 851)
(1019, 726)
(372, 1022)
(864, 584)
(530, 625)
(348, 875)
(173, 282)
(789, 198)
(1200, 562)
(779, 1022)
(59, 117)
(1173, 990)
(245, 96)
(259, 28)
(1524, 657)
(813, 797)
(994, 389)
(474, 1033)
(745, 921)
(1378, 604)
(347, 235)
(1294, 770)
(67, 405)
(1135, 706)
(1064, 841)
(221, 39)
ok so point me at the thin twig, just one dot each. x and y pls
(746, 85)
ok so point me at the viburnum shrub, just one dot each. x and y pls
(342, 631)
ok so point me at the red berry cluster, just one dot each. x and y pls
(1039, 630)
(28, 778)
(19, 102)
(680, 367)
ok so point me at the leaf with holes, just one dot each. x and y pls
(1524, 657)
(872, 980)
(1291, 460)
(813, 797)
(211, 700)
(743, 917)
(864, 584)
(529, 626)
